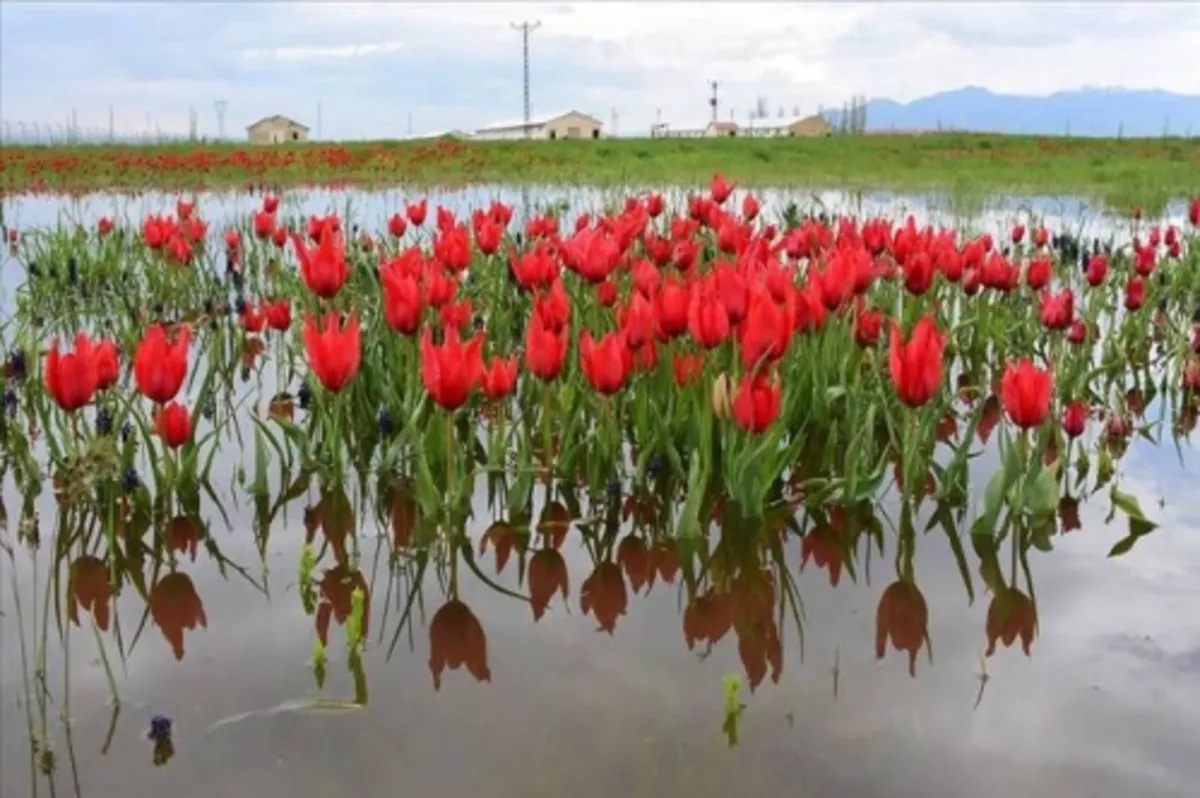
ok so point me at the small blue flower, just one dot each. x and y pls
(126, 431)
(104, 421)
(130, 479)
(386, 424)
(304, 395)
(160, 728)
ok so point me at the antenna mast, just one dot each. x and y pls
(712, 84)
(526, 28)
(220, 106)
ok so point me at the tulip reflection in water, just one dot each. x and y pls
(175, 607)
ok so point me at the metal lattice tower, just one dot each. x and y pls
(527, 28)
(220, 106)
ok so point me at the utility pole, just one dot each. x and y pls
(712, 101)
(526, 28)
(220, 106)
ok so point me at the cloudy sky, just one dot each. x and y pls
(374, 66)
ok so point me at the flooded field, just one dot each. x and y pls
(625, 575)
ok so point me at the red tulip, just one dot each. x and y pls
(252, 318)
(487, 237)
(720, 189)
(750, 207)
(396, 226)
(278, 314)
(1194, 212)
(757, 403)
(324, 269)
(452, 248)
(766, 331)
(868, 323)
(499, 378)
(402, 300)
(71, 379)
(173, 424)
(264, 224)
(1026, 390)
(104, 226)
(1058, 310)
(916, 366)
(545, 349)
(270, 203)
(1097, 270)
(1078, 334)
(333, 351)
(537, 268)
(708, 321)
(1018, 233)
(415, 211)
(1135, 293)
(1037, 276)
(1074, 418)
(671, 308)
(655, 204)
(108, 364)
(160, 366)
(607, 363)
(450, 371)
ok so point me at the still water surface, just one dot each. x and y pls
(1103, 705)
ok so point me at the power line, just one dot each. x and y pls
(526, 28)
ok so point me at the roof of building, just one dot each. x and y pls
(535, 121)
(276, 118)
(723, 125)
(775, 123)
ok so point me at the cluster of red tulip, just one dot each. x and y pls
(752, 293)
(159, 367)
(761, 289)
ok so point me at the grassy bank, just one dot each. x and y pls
(1120, 172)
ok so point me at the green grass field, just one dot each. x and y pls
(1119, 172)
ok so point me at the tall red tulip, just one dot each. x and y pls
(607, 363)
(499, 377)
(333, 351)
(278, 313)
(757, 403)
(108, 364)
(545, 349)
(1074, 418)
(324, 269)
(1135, 293)
(159, 366)
(1058, 310)
(1025, 391)
(173, 424)
(451, 370)
(71, 379)
(916, 366)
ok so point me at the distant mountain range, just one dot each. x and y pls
(1084, 112)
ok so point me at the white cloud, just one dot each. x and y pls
(636, 58)
(339, 52)
(812, 54)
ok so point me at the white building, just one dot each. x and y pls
(565, 125)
